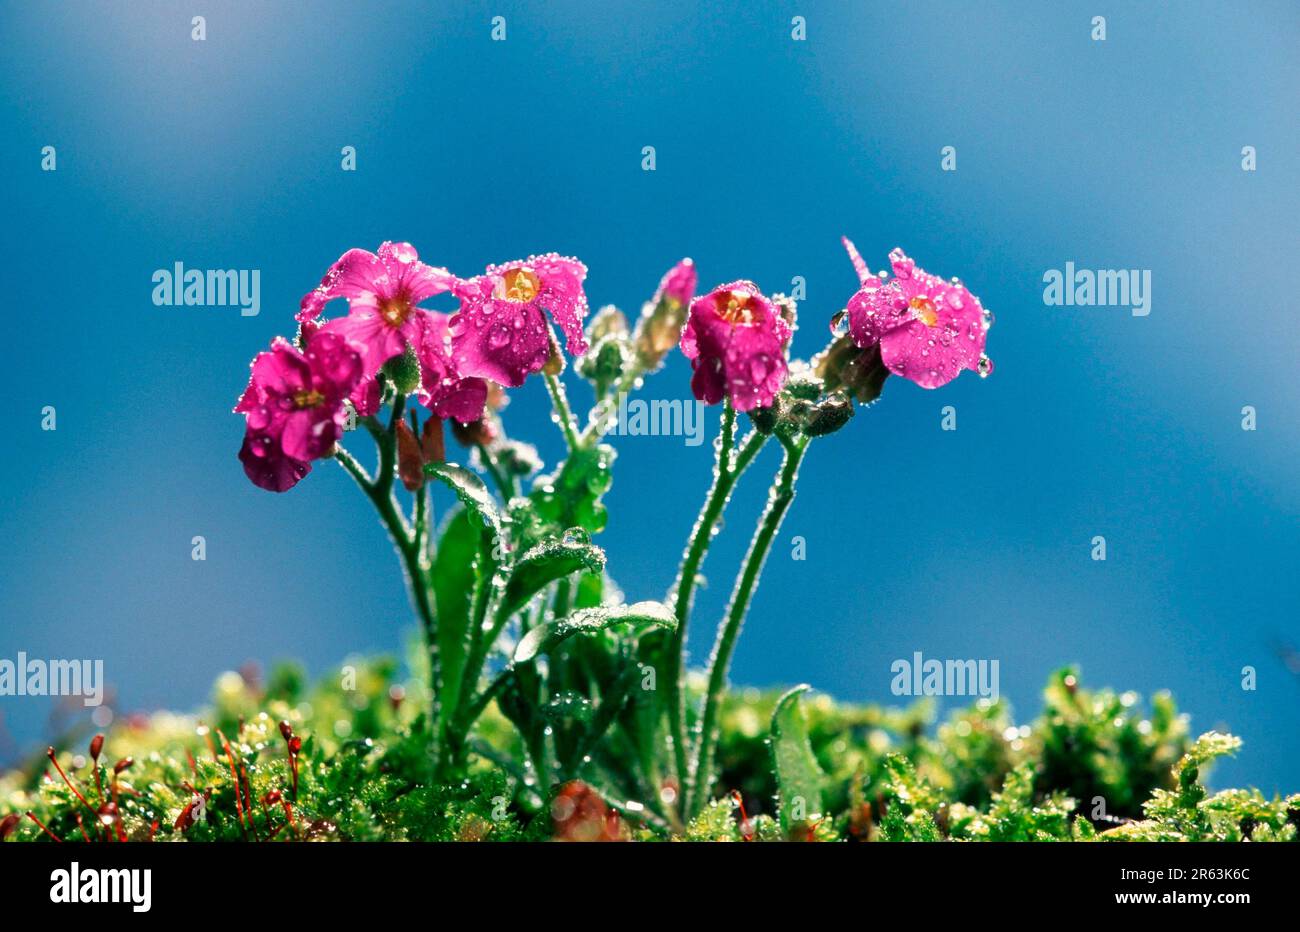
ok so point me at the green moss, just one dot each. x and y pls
(365, 772)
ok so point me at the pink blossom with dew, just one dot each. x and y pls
(928, 329)
(383, 291)
(735, 339)
(443, 390)
(501, 333)
(678, 283)
(293, 407)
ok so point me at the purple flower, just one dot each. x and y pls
(443, 390)
(928, 329)
(736, 338)
(383, 292)
(501, 333)
(293, 407)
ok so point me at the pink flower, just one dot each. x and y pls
(928, 329)
(500, 332)
(293, 407)
(736, 338)
(678, 283)
(382, 291)
(443, 390)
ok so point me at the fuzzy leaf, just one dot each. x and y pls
(798, 777)
(548, 561)
(471, 491)
(545, 637)
(453, 586)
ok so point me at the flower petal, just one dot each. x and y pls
(357, 274)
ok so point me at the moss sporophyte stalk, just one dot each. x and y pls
(541, 701)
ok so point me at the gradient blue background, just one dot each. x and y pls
(974, 543)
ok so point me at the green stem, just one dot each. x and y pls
(505, 484)
(562, 410)
(598, 418)
(778, 502)
(725, 473)
(407, 540)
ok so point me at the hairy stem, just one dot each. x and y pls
(778, 502)
(410, 542)
(562, 410)
(725, 473)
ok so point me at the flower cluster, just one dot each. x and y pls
(295, 403)
(914, 325)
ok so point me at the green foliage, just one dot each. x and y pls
(1188, 813)
(798, 777)
(546, 637)
(366, 771)
(549, 561)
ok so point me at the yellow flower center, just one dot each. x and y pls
(394, 311)
(923, 310)
(307, 398)
(520, 285)
(735, 307)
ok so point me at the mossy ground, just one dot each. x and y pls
(1092, 765)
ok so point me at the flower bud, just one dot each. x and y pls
(828, 416)
(517, 458)
(660, 326)
(608, 321)
(843, 366)
(433, 446)
(766, 419)
(404, 372)
(483, 431)
(604, 363)
(410, 458)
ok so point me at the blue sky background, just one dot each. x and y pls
(973, 543)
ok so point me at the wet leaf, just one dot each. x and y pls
(799, 779)
(546, 562)
(454, 575)
(471, 491)
(544, 638)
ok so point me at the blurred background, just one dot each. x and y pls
(972, 543)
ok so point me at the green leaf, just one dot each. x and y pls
(798, 777)
(453, 588)
(471, 491)
(548, 561)
(545, 637)
(571, 495)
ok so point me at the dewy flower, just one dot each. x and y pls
(500, 332)
(678, 283)
(736, 338)
(383, 292)
(660, 326)
(443, 390)
(293, 407)
(928, 329)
